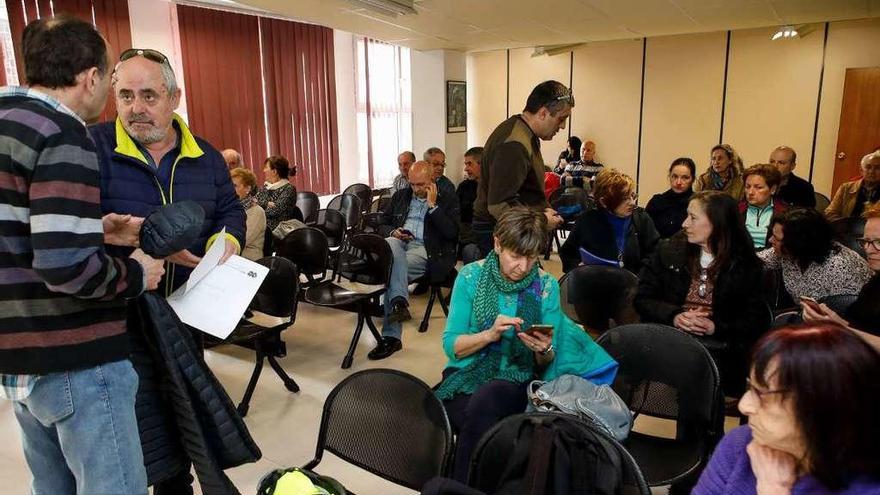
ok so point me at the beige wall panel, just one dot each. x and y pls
(772, 88)
(607, 88)
(487, 94)
(684, 78)
(527, 72)
(851, 44)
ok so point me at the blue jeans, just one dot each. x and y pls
(410, 261)
(80, 433)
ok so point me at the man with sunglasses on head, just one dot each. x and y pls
(512, 167)
(149, 158)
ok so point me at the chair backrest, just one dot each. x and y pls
(582, 196)
(839, 303)
(501, 453)
(308, 249)
(668, 374)
(332, 223)
(848, 231)
(350, 207)
(822, 201)
(308, 204)
(369, 259)
(389, 423)
(277, 295)
(592, 295)
(363, 192)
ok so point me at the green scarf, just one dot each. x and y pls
(520, 364)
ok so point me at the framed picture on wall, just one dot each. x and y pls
(456, 106)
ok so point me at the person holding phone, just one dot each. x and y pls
(863, 316)
(505, 328)
(421, 226)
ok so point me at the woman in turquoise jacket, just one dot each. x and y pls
(492, 355)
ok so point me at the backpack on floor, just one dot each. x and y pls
(546, 454)
(298, 481)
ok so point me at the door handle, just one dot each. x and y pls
(841, 156)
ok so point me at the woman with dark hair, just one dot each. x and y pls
(569, 155)
(492, 348)
(669, 209)
(707, 281)
(813, 264)
(760, 204)
(617, 230)
(812, 400)
(724, 173)
(864, 314)
(277, 197)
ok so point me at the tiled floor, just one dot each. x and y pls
(285, 425)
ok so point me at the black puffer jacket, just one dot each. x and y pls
(183, 411)
(738, 309)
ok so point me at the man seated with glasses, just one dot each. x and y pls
(437, 159)
(148, 158)
(421, 226)
(513, 168)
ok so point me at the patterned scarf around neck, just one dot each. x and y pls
(491, 365)
(247, 201)
(719, 182)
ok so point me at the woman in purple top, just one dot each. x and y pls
(811, 401)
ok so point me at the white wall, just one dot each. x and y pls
(346, 110)
(154, 25)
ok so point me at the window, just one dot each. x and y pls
(384, 109)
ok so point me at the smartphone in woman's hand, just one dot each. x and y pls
(543, 329)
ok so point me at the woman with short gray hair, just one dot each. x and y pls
(505, 328)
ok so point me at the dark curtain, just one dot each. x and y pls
(301, 101)
(221, 68)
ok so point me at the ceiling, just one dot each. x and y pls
(479, 25)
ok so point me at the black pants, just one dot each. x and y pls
(472, 415)
(482, 234)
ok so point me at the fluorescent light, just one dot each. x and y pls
(785, 33)
(392, 8)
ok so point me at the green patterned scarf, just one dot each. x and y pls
(490, 365)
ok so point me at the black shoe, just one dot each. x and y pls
(399, 311)
(387, 346)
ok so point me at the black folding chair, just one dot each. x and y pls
(363, 193)
(599, 297)
(389, 423)
(350, 207)
(436, 293)
(308, 204)
(309, 250)
(374, 271)
(272, 310)
(666, 373)
(822, 202)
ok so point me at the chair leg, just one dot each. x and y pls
(372, 327)
(289, 383)
(423, 326)
(443, 301)
(244, 405)
(349, 357)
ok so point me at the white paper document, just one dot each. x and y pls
(215, 296)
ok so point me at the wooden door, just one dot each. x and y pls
(859, 132)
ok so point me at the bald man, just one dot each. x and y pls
(421, 226)
(232, 158)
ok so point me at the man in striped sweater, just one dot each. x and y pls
(63, 343)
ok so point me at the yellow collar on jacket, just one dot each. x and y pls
(126, 146)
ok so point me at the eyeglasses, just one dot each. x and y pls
(703, 288)
(750, 387)
(875, 243)
(147, 53)
(568, 96)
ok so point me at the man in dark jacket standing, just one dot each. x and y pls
(149, 157)
(63, 342)
(512, 167)
(421, 226)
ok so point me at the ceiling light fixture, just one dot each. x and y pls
(391, 8)
(785, 33)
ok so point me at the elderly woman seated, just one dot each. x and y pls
(492, 338)
(811, 402)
